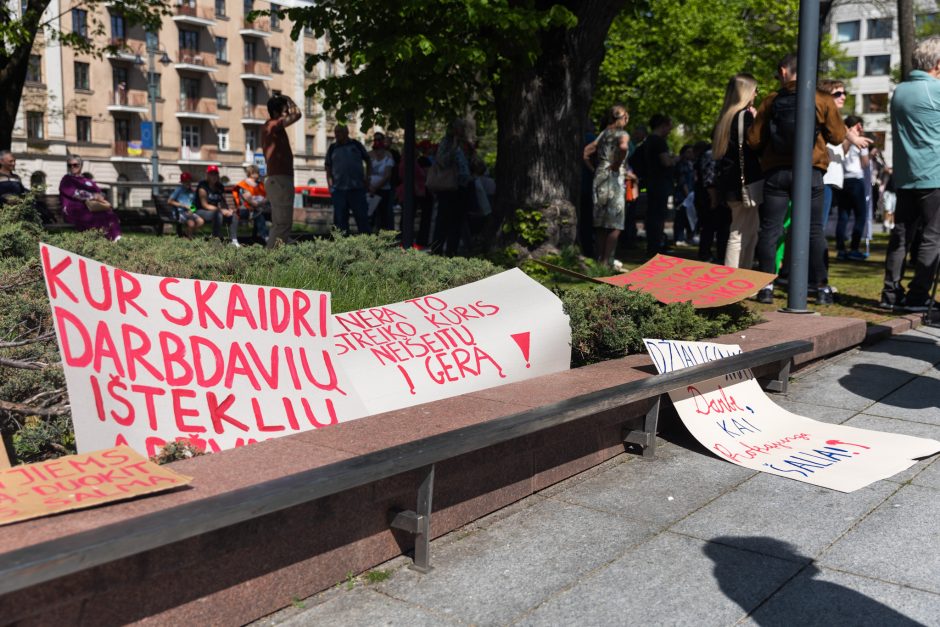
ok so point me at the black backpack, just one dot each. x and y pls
(783, 122)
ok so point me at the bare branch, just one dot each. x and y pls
(41, 338)
(22, 365)
(18, 408)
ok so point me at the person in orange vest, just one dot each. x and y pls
(252, 202)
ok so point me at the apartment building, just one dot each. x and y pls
(212, 71)
(868, 32)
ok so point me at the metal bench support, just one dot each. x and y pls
(646, 439)
(781, 383)
(419, 522)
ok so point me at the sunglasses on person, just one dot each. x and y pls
(839, 94)
(75, 165)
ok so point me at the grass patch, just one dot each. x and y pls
(377, 576)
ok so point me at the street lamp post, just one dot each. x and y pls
(152, 50)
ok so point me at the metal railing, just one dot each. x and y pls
(189, 9)
(259, 24)
(254, 112)
(253, 66)
(191, 56)
(69, 554)
(197, 105)
(127, 98)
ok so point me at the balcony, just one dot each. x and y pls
(128, 152)
(257, 28)
(254, 114)
(122, 52)
(197, 109)
(195, 61)
(127, 102)
(256, 71)
(188, 13)
(198, 156)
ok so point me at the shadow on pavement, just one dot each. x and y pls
(860, 380)
(802, 601)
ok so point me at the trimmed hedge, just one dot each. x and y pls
(360, 272)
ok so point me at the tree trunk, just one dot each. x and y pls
(906, 36)
(542, 114)
(13, 68)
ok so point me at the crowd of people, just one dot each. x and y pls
(734, 192)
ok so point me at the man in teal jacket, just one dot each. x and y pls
(915, 122)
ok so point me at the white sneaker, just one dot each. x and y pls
(617, 265)
(236, 244)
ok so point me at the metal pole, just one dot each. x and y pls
(803, 155)
(152, 92)
(408, 210)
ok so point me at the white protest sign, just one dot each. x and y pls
(499, 330)
(733, 418)
(152, 359)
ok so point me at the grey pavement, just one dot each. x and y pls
(688, 539)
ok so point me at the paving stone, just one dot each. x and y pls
(832, 415)
(930, 475)
(807, 516)
(828, 597)
(918, 401)
(898, 542)
(670, 580)
(848, 385)
(906, 427)
(512, 566)
(668, 488)
(907, 351)
(364, 606)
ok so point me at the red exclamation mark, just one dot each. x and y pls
(404, 373)
(522, 339)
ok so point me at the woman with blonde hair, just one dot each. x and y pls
(738, 169)
(609, 182)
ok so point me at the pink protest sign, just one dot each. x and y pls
(152, 359)
(734, 419)
(499, 330)
(675, 280)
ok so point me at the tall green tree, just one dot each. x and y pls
(532, 63)
(18, 32)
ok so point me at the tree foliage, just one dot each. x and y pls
(436, 57)
(676, 56)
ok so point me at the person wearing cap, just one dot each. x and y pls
(211, 205)
(279, 159)
(183, 201)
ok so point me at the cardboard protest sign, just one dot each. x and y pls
(152, 359)
(675, 280)
(499, 330)
(734, 419)
(77, 481)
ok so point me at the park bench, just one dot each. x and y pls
(130, 218)
(80, 551)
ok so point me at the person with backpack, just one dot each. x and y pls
(773, 137)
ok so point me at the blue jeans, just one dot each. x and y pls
(346, 200)
(851, 204)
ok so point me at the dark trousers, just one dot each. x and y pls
(915, 207)
(715, 228)
(778, 191)
(384, 216)
(452, 208)
(657, 199)
(346, 200)
(425, 207)
(851, 205)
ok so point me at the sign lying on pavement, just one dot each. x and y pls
(675, 280)
(501, 329)
(151, 359)
(77, 481)
(734, 419)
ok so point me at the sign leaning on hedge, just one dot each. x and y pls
(498, 330)
(152, 359)
(734, 419)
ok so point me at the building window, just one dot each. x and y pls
(118, 28)
(191, 136)
(80, 22)
(250, 51)
(308, 144)
(34, 69)
(159, 134)
(118, 76)
(220, 8)
(848, 31)
(83, 128)
(221, 49)
(880, 27)
(328, 68)
(878, 65)
(251, 139)
(223, 136)
(152, 40)
(308, 105)
(189, 40)
(221, 94)
(122, 130)
(926, 24)
(875, 103)
(157, 92)
(308, 32)
(275, 59)
(251, 97)
(34, 125)
(82, 80)
(249, 6)
(275, 18)
(849, 66)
